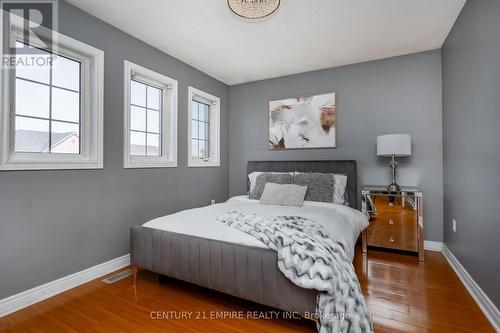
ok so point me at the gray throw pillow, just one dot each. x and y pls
(320, 186)
(263, 179)
(283, 194)
(252, 177)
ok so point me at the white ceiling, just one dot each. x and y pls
(303, 35)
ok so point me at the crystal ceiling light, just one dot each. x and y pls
(253, 9)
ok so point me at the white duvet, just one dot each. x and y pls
(343, 223)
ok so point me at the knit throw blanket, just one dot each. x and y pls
(310, 258)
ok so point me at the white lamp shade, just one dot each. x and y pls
(394, 144)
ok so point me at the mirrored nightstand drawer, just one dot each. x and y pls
(394, 221)
(393, 240)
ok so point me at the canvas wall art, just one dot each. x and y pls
(303, 122)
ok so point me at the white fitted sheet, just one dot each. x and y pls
(343, 223)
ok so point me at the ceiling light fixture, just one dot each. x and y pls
(253, 9)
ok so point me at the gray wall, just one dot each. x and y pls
(54, 223)
(471, 135)
(397, 95)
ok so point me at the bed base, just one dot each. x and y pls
(243, 271)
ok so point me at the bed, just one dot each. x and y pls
(193, 246)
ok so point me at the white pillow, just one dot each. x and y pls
(339, 189)
(283, 194)
(252, 178)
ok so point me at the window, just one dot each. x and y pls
(150, 119)
(145, 119)
(204, 129)
(51, 116)
(47, 107)
(200, 130)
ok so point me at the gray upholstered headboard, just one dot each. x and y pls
(343, 167)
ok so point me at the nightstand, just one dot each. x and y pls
(396, 219)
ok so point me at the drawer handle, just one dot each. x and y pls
(391, 239)
(391, 222)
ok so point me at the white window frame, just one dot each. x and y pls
(214, 102)
(169, 87)
(91, 123)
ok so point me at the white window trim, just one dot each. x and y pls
(214, 160)
(91, 124)
(169, 86)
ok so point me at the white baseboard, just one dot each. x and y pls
(433, 246)
(37, 294)
(489, 309)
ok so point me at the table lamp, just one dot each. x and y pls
(394, 145)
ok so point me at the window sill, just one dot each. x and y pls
(201, 164)
(41, 166)
(144, 162)
(149, 166)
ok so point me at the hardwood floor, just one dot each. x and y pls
(403, 296)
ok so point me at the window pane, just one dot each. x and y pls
(137, 93)
(137, 118)
(32, 99)
(153, 145)
(202, 133)
(154, 98)
(194, 110)
(194, 148)
(207, 114)
(203, 149)
(137, 143)
(65, 105)
(32, 135)
(194, 129)
(66, 73)
(65, 138)
(153, 121)
(35, 73)
(203, 112)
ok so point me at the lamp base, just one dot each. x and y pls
(394, 188)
